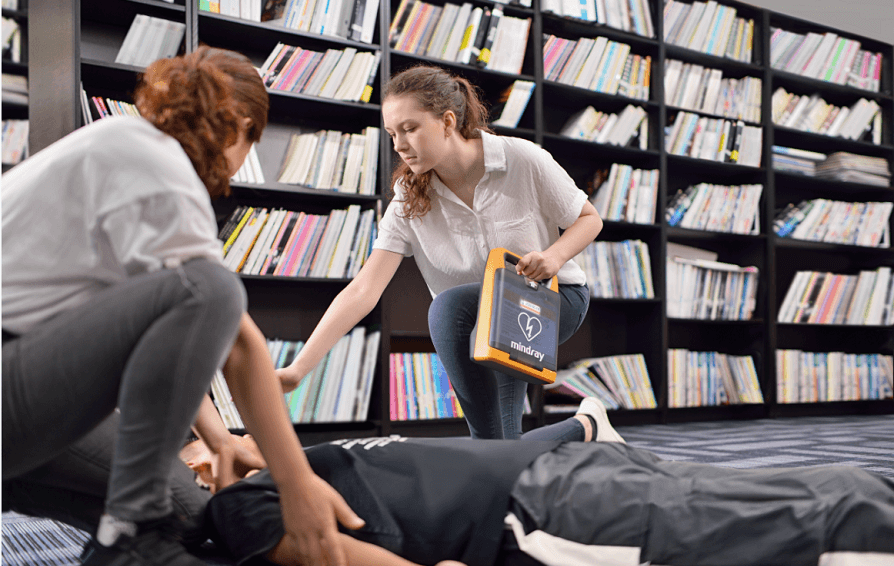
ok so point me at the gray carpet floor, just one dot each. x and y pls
(863, 441)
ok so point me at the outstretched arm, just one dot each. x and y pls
(359, 553)
(347, 309)
(310, 506)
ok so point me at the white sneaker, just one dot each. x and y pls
(604, 431)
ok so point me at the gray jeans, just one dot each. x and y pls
(148, 346)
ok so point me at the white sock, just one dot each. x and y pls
(110, 528)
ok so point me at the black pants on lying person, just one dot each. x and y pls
(487, 502)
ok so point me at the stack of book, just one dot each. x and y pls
(816, 297)
(250, 172)
(800, 161)
(817, 377)
(96, 108)
(850, 167)
(347, 19)
(837, 222)
(261, 241)
(813, 114)
(717, 208)
(715, 139)
(603, 127)
(514, 104)
(626, 194)
(619, 270)
(700, 379)
(333, 160)
(340, 74)
(628, 15)
(149, 39)
(619, 382)
(710, 290)
(597, 64)
(695, 87)
(12, 40)
(827, 57)
(15, 89)
(420, 388)
(709, 27)
(482, 36)
(15, 141)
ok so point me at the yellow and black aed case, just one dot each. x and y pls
(517, 330)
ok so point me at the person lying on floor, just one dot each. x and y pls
(505, 502)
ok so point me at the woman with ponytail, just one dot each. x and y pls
(460, 191)
(117, 311)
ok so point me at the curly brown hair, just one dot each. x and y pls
(436, 91)
(199, 99)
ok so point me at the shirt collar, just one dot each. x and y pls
(494, 160)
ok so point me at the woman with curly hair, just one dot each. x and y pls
(115, 296)
(460, 191)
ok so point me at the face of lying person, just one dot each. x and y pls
(198, 457)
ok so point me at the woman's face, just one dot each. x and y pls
(419, 137)
(237, 152)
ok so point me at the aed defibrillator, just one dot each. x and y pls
(517, 331)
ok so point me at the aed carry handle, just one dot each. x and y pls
(502, 286)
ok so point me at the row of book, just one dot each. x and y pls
(340, 74)
(149, 39)
(710, 28)
(715, 139)
(816, 297)
(250, 172)
(96, 108)
(12, 40)
(827, 57)
(702, 89)
(15, 89)
(815, 115)
(717, 208)
(627, 194)
(420, 388)
(348, 19)
(794, 160)
(701, 379)
(598, 64)
(466, 34)
(837, 222)
(514, 103)
(617, 270)
(605, 127)
(628, 15)
(261, 241)
(818, 377)
(333, 160)
(15, 141)
(620, 382)
(710, 290)
(838, 166)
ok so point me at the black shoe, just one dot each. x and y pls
(155, 544)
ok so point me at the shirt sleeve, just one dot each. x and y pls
(161, 230)
(560, 199)
(394, 231)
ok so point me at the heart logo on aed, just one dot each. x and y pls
(530, 325)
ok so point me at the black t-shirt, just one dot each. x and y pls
(423, 499)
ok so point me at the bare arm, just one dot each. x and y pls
(347, 309)
(545, 264)
(311, 506)
(359, 553)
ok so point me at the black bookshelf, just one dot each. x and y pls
(289, 308)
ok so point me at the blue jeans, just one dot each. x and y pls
(493, 402)
(148, 346)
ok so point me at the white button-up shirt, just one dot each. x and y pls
(111, 200)
(520, 204)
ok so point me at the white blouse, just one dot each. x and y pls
(520, 204)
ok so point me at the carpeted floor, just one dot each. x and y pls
(865, 442)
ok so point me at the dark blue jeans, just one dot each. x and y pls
(493, 402)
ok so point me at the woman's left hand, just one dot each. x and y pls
(538, 266)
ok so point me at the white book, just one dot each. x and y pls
(438, 39)
(588, 72)
(246, 239)
(133, 39)
(348, 382)
(275, 223)
(173, 37)
(357, 73)
(370, 161)
(370, 17)
(615, 70)
(575, 63)
(343, 245)
(332, 379)
(351, 179)
(515, 104)
(467, 45)
(367, 373)
(330, 87)
(705, 23)
(818, 60)
(875, 305)
(263, 243)
(328, 160)
(330, 59)
(148, 50)
(323, 254)
(795, 290)
(454, 40)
